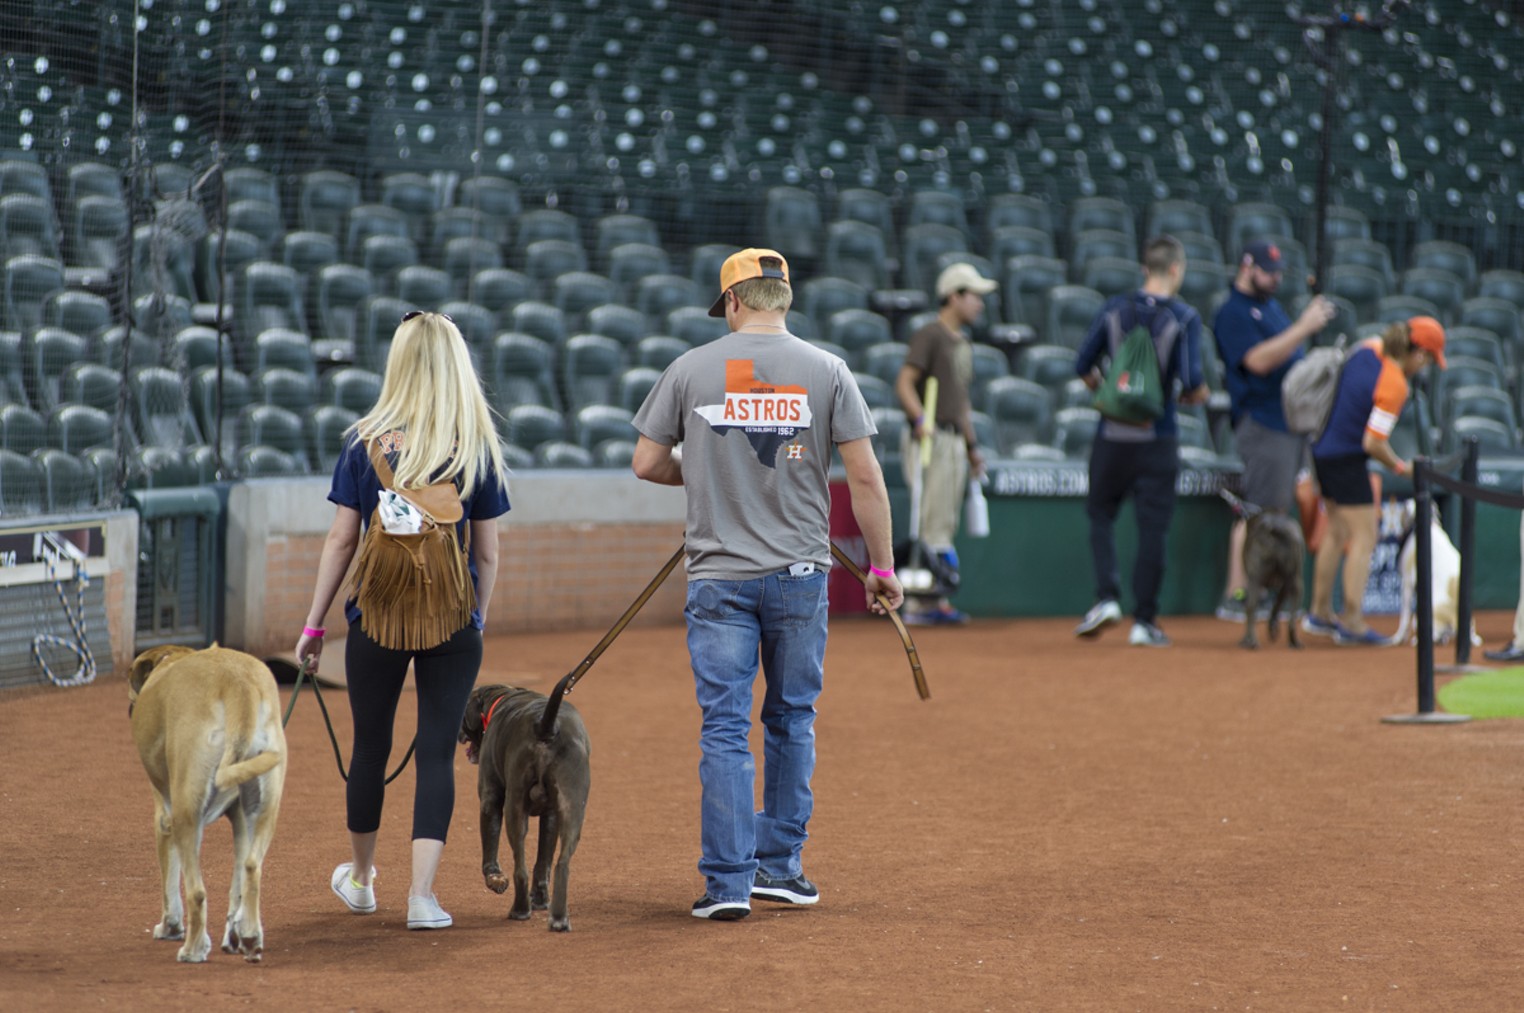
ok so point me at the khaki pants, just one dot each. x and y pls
(942, 486)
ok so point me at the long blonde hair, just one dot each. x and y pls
(432, 393)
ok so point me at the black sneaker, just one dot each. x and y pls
(720, 910)
(785, 891)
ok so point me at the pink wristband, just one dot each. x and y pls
(311, 632)
(880, 573)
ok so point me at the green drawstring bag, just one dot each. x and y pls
(1132, 391)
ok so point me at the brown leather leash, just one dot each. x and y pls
(899, 624)
(570, 679)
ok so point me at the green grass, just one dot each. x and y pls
(1498, 694)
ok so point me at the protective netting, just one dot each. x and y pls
(213, 213)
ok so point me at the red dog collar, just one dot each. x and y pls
(487, 717)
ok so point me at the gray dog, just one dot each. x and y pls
(532, 760)
(1273, 559)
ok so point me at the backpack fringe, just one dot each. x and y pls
(414, 592)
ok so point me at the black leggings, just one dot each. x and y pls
(444, 676)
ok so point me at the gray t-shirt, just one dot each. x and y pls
(757, 415)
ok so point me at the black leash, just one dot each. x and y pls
(302, 673)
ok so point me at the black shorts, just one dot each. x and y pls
(1345, 480)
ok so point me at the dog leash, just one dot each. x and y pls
(570, 679)
(922, 690)
(302, 674)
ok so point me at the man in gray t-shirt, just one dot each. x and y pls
(757, 413)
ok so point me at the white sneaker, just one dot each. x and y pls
(425, 913)
(1147, 635)
(1101, 615)
(360, 899)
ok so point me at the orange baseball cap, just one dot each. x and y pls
(1428, 334)
(744, 266)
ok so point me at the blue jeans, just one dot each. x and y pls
(731, 623)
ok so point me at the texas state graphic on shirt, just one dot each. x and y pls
(769, 414)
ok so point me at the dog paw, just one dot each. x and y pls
(519, 914)
(169, 930)
(195, 952)
(1249, 645)
(497, 882)
(560, 925)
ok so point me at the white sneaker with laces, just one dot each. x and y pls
(425, 913)
(359, 899)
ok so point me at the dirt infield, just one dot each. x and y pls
(1063, 826)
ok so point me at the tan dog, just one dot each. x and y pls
(207, 725)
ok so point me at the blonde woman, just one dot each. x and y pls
(432, 425)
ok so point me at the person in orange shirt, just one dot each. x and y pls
(1373, 387)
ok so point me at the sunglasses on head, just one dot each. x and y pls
(413, 314)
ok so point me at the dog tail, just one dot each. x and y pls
(546, 730)
(231, 775)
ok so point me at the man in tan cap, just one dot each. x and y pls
(941, 351)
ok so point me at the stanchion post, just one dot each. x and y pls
(1467, 555)
(1423, 501)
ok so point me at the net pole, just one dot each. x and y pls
(1467, 555)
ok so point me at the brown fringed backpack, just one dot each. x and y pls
(414, 591)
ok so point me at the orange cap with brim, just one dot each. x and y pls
(744, 266)
(1428, 334)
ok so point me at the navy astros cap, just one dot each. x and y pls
(1265, 254)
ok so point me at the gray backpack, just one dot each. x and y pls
(1307, 393)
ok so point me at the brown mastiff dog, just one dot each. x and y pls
(531, 761)
(207, 725)
(1273, 556)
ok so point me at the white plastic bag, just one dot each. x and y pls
(398, 516)
(976, 511)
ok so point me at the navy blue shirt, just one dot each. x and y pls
(1185, 358)
(356, 485)
(1242, 323)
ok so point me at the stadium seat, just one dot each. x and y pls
(1113, 275)
(163, 263)
(247, 182)
(365, 221)
(858, 252)
(327, 426)
(1480, 401)
(109, 346)
(658, 350)
(1403, 307)
(325, 201)
(98, 235)
(496, 198)
(624, 324)
(875, 392)
(1019, 240)
(284, 348)
(529, 425)
(545, 259)
(1445, 290)
(516, 458)
(1502, 283)
(384, 257)
(1476, 343)
(260, 461)
(425, 287)
(161, 408)
(28, 227)
(412, 194)
(1022, 411)
(48, 352)
(989, 364)
(476, 324)
(1025, 285)
(1071, 311)
(196, 346)
(923, 246)
(1176, 215)
(791, 224)
(1255, 220)
(868, 206)
(1095, 244)
(154, 467)
(464, 257)
(634, 385)
(1453, 258)
(501, 289)
(659, 294)
(102, 464)
(547, 223)
(542, 320)
(461, 223)
(269, 425)
(1107, 214)
(614, 231)
(704, 265)
(160, 315)
(376, 323)
(942, 207)
(268, 296)
(342, 289)
(67, 483)
(695, 326)
(589, 366)
(1074, 431)
(1499, 316)
(1493, 437)
(285, 387)
(522, 372)
(628, 263)
(857, 330)
(1367, 253)
(92, 179)
(29, 280)
(559, 454)
(1345, 223)
(1018, 209)
(576, 292)
(1205, 281)
(307, 253)
(83, 313)
(208, 405)
(884, 360)
(76, 428)
(21, 428)
(1363, 286)
(1051, 366)
(890, 423)
(260, 219)
(219, 254)
(618, 454)
(92, 384)
(21, 485)
(595, 423)
(351, 388)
